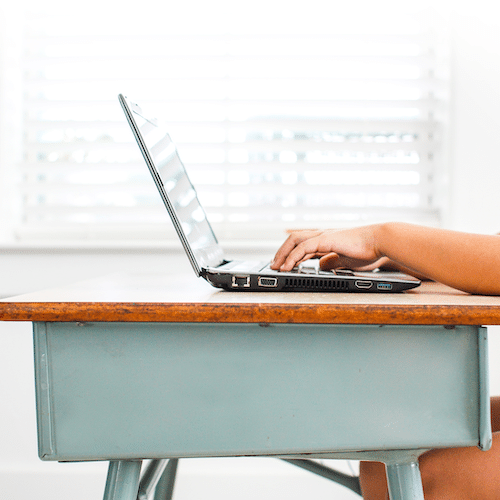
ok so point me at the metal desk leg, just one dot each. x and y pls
(150, 478)
(165, 487)
(351, 482)
(404, 481)
(123, 480)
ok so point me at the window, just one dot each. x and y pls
(285, 118)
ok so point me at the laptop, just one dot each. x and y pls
(200, 243)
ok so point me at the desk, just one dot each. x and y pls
(164, 367)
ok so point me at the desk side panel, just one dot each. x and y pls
(119, 390)
(43, 385)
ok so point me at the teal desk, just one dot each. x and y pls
(130, 368)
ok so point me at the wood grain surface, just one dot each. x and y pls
(184, 298)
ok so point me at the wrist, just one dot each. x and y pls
(381, 236)
(396, 240)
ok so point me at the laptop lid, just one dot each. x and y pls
(177, 192)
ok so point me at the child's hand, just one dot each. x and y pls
(351, 248)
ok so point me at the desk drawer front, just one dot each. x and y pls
(120, 390)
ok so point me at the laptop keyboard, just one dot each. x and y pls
(309, 267)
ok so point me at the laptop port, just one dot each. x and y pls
(268, 282)
(363, 285)
(384, 286)
(241, 281)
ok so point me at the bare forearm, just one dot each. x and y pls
(469, 262)
(390, 266)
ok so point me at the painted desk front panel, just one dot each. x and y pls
(157, 390)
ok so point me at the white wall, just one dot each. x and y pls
(475, 162)
(475, 205)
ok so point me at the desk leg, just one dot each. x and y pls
(150, 478)
(404, 481)
(165, 487)
(123, 480)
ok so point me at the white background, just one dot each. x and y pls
(474, 178)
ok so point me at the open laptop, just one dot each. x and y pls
(201, 245)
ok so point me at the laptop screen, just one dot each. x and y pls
(176, 190)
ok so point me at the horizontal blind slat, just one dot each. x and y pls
(257, 146)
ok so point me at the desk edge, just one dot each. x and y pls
(250, 313)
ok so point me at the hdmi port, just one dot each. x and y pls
(364, 285)
(268, 282)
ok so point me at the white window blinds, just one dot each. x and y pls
(284, 118)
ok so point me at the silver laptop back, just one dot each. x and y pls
(177, 192)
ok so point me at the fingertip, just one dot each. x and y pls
(328, 261)
(277, 264)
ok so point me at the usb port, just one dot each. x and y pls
(241, 281)
(384, 286)
(268, 282)
(364, 285)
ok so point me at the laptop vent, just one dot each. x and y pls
(315, 284)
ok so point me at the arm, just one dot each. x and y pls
(386, 264)
(469, 262)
